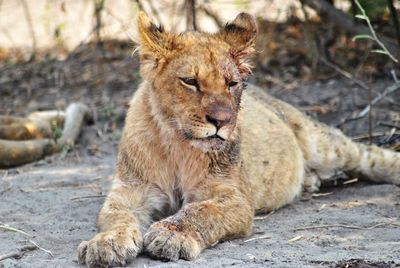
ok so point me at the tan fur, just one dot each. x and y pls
(197, 161)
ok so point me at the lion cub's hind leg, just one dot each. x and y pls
(312, 182)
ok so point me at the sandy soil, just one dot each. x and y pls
(57, 199)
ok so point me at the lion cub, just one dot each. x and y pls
(199, 156)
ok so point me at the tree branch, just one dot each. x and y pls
(13, 153)
(191, 23)
(30, 26)
(18, 254)
(212, 14)
(326, 10)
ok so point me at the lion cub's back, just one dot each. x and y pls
(272, 158)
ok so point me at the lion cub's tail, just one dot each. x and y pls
(330, 150)
(380, 165)
(327, 149)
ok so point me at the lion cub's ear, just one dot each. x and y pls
(155, 44)
(153, 39)
(241, 34)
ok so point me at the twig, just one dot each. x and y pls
(259, 218)
(140, 6)
(378, 98)
(294, 239)
(344, 73)
(395, 20)
(212, 14)
(384, 124)
(264, 217)
(98, 8)
(388, 138)
(321, 207)
(256, 238)
(155, 13)
(379, 225)
(310, 36)
(6, 189)
(353, 10)
(43, 249)
(374, 135)
(87, 196)
(30, 26)
(374, 36)
(19, 254)
(279, 82)
(370, 110)
(191, 23)
(346, 120)
(343, 20)
(12, 229)
(321, 194)
(394, 76)
(350, 181)
(345, 226)
(125, 28)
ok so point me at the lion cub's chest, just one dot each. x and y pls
(180, 175)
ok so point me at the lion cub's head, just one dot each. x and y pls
(197, 78)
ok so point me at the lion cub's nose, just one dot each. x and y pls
(219, 117)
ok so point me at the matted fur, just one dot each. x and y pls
(199, 156)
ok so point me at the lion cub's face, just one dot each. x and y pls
(198, 78)
(200, 92)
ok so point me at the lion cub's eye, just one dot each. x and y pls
(231, 84)
(190, 82)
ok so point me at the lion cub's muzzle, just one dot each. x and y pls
(222, 118)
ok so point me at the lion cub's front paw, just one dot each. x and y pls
(111, 248)
(169, 242)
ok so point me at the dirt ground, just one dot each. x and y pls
(56, 200)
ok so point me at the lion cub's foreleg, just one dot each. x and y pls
(214, 211)
(126, 214)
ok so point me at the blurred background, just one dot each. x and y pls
(334, 59)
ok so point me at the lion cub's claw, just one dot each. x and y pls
(163, 241)
(110, 249)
